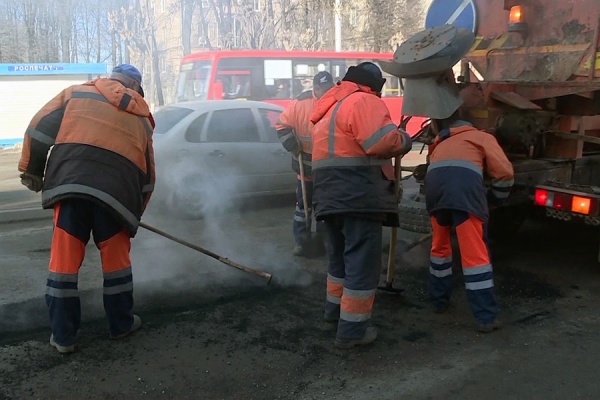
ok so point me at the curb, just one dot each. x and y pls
(24, 214)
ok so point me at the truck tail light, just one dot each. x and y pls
(581, 205)
(568, 201)
(540, 197)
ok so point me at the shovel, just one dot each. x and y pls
(209, 253)
(313, 246)
(391, 264)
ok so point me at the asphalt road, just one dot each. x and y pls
(212, 332)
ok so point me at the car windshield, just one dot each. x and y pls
(168, 117)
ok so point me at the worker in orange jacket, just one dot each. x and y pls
(456, 197)
(295, 130)
(354, 140)
(98, 179)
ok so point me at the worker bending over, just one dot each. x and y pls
(98, 179)
(460, 158)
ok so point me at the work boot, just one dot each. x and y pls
(489, 327)
(370, 336)
(137, 324)
(61, 349)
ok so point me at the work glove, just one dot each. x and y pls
(406, 142)
(420, 171)
(33, 182)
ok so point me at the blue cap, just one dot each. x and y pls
(125, 72)
(130, 71)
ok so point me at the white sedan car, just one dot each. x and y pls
(208, 153)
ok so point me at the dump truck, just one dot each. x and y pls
(532, 79)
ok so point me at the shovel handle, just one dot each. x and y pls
(209, 253)
(391, 264)
(303, 187)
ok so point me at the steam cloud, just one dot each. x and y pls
(209, 202)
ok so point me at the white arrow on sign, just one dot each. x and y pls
(458, 11)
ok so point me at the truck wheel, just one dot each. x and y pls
(413, 214)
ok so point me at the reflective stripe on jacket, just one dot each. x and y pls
(295, 130)
(455, 176)
(102, 137)
(353, 141)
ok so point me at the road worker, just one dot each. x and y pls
(354, 140)
(98, 179)
(460, 158)
(294, 131)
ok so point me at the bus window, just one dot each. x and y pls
(193, 81)
(338, 69)
(278, 79)
(242, 78)
(236, 83)
(392, 86)
(304, 72)
(283, 89)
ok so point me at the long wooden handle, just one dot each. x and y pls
(209, 253)
(303, 187)
(391, 264)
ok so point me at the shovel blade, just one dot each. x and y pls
(313, 246)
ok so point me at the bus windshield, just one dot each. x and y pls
(194, 78)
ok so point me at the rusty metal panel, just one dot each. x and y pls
(560, 41)
(514, 100)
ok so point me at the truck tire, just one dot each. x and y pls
(413, 214)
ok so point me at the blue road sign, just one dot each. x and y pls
(53, 69)
(460, 13)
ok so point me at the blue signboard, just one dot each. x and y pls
(460, 13)
(53, 69)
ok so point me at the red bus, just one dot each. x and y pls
(274, 76)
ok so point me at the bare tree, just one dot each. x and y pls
(12, 32)
(136, 26)
(117, 31)
(187, 15)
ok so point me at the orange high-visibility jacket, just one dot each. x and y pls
(459, 158)
(102, 137)
(354, 139)
(295, 130)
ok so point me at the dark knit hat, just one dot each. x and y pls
(367, 74)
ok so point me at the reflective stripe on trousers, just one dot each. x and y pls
(354, 265)
(476, 265)
(74, 221)
(440, 265)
